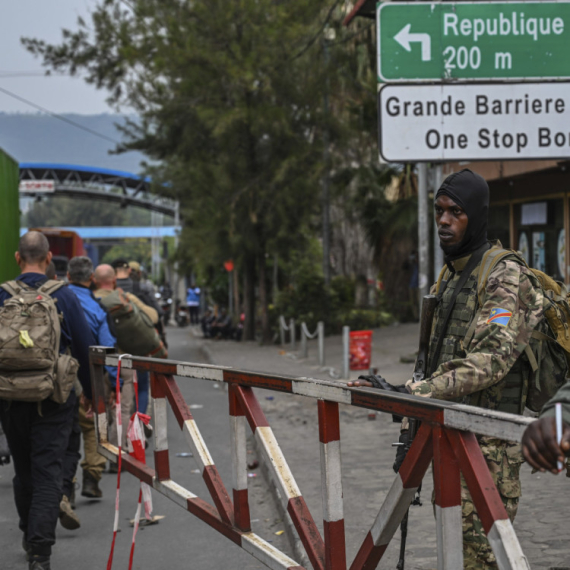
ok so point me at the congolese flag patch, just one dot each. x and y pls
(499, 316)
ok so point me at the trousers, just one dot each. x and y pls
(38, 435)
(93, 462)
(72, 454)
(504, 460)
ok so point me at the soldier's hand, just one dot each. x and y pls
(358, 383)
(540, 447)
(375, 381)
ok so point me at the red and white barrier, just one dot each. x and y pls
(446, 437)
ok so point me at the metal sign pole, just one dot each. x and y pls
(423, 230)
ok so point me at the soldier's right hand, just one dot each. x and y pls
(540, 447)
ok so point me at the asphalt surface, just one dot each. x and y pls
(367, 455)
(179, 540)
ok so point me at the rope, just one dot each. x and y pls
(307, 333)
(119, 421)
(282, 323)
(135, 440)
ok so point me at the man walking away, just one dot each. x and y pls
(80, 276)
(38, 428)
(105, 282)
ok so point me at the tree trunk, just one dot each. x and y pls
(265, 332)
(249, 297)
(237, 306)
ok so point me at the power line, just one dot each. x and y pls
(57, 116)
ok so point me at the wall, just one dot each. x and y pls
(9, 216)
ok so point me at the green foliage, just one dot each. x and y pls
(230, 100)
(71, 212)
(131, 250)
(310, 301)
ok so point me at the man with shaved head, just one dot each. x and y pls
(38, 432)
(105, 281)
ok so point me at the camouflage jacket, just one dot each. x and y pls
(497, 343)
(562, 397)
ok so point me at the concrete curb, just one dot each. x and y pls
(294, 540)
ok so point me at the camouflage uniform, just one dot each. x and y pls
(482, 363)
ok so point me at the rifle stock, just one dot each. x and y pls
(429, 305)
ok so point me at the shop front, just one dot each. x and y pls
(530, 213)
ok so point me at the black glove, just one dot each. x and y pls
(401, 450)
(381, 384)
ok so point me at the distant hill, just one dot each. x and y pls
(42, 138)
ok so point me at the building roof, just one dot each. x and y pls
(120, 232)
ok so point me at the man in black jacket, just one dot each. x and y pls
(38, 432)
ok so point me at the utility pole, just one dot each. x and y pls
(437, 251)
(329, 34)
(423, 230)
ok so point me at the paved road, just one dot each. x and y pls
(367, 455)
(178, 541)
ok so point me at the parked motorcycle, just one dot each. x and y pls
(165, 303)
(182, 315)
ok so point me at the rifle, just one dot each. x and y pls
(429, 305)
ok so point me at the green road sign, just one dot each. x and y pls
(427, 41)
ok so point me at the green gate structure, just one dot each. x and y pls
(9, 216)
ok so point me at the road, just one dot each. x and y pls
(179, 540)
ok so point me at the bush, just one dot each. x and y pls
(310, 302)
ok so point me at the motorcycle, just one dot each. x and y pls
(165, 303)
(182, 315)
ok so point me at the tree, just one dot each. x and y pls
(229, 99)
(73, 212)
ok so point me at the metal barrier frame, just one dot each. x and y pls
(446, 436)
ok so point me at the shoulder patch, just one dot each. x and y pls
(499, 316)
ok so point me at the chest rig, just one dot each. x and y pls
(507, 395)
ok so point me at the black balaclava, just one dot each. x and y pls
(471, 192)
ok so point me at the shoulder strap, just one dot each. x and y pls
(490, 260)
(465, 274)
(11, 287)
(51, 286)
(443, 277)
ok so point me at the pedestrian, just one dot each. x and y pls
(80, 277)
(540, 445)
(134, 334)
(38, 427)
(193, 302)
(478, 356)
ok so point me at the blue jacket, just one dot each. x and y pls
(75, 331)
(97, 319)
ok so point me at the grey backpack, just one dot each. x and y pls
(31, 368)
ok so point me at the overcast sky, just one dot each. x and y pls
(42, 19)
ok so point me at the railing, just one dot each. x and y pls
(446, 437)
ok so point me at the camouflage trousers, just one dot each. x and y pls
(504, 460)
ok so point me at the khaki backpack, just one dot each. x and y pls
(549, 351)
(31, 368)
(136, 334)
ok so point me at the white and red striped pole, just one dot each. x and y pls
(447, 487)
(119, 421)
(397, 501)
(161, 459)
(238, 425)
(490, 508)
(290, 493)
(331, 486)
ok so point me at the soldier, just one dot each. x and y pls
(480, 361)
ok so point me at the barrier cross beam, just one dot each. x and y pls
(446, 437)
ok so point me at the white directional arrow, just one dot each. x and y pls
(404, 37)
